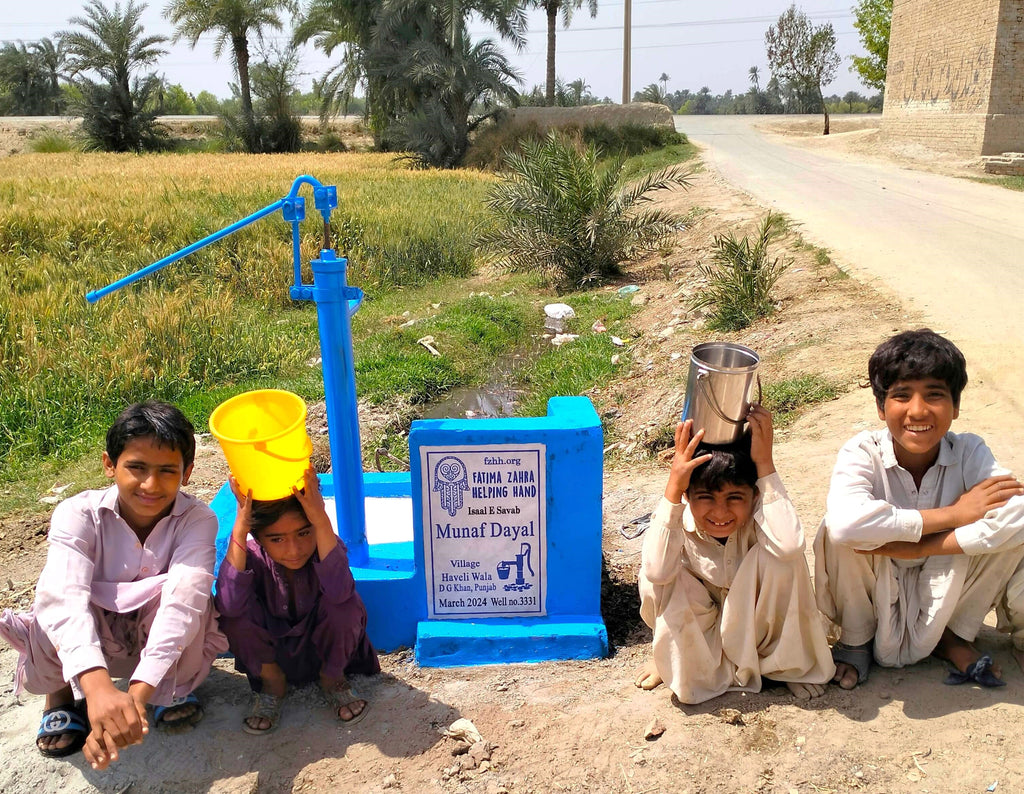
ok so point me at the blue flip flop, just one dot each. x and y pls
(61, 721)
(980, 672)
(178, 726)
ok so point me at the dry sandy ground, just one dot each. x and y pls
(579, 726)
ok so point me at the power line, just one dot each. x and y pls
(815, 15)
(665, 46)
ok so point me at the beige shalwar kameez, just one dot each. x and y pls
(905, 605)
(726, 615)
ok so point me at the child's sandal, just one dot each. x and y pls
(343, 696)
(71, 720)
(164, 717)
(264, 706)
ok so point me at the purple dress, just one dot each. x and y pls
(326, 632)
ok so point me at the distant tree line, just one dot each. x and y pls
(773, 99)
(423, 84)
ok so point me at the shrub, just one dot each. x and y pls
(113, 119)
(331, 141)
(492, 144)
(741, 277)
(50, 142)
(630, 139)
(558, 212)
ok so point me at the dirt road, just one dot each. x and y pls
(949, 248)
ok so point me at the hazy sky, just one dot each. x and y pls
(695, 44)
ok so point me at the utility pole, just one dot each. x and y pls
(627, 24)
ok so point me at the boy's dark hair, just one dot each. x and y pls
(157, 420)
(730, 464)
(266, 513)
(914, 355)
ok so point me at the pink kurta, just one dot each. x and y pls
(104, 599)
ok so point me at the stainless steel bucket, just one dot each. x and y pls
(719, 388)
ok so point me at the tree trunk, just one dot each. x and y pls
(824, 108)
(551, 7)
(241, 47)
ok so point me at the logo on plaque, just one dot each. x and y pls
(450, 481)
(485, 535)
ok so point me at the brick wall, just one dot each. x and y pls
(955, 78)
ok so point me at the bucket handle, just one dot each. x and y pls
(712, 402)
(261, 446)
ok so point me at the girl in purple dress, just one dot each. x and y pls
(289, 607)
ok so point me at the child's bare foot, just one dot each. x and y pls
(853, 663)
(647, 677)
(960, 653)
(970, 663)
(806, 691)
(846, 676)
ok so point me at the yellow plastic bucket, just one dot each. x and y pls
(263, 435)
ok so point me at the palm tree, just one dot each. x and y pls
(50, 56)
(233, 21)
(438, 84)
(349, 25)
(551, 9)
(110, 43)
(664, 83)
(754, 79)
(559, 211)
(22, 81)
(651, 93)
(578, 88)
(113, 45)
(374, 35)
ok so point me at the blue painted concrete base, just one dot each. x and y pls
(456, 643)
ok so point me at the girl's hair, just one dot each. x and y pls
(730, 464)
(266, 513)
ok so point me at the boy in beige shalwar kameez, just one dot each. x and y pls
(723, 580)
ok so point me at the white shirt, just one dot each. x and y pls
(872, 500)
(673, 540)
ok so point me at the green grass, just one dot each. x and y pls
(655, 160)
(578, 366)
(1009, 182)
(216, 323)
(220, 321)
(469, 334)
(787, 398)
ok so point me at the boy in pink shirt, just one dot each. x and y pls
(125, 592)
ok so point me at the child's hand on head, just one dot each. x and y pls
(244, 499)
(244, 514)
(309, 497)
(236, 554)
(761, 437)
(684, 462)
